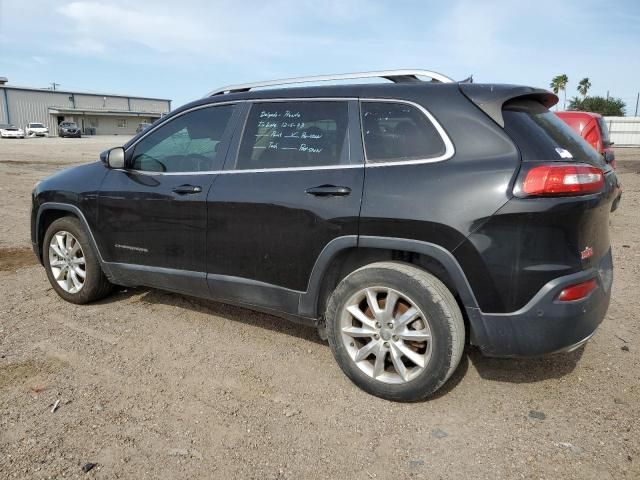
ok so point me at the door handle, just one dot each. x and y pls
(187, 189)
(328, 191)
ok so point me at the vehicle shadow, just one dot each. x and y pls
(225, 311)
(524, 370)
(511, 370)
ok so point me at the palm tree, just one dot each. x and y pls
(584, 86)
(559, 82)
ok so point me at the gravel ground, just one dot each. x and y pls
(157, 385)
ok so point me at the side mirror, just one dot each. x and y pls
(113, 158)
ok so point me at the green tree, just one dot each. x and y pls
(584, 86)
(559, 83)
(611, 107)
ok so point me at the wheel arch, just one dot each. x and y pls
(341, 257)
(49, 212)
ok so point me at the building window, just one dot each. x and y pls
(122, 123)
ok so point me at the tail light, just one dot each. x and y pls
(578, 291)
(551, 180)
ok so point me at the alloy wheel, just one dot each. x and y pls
(386, 335)
(67, 262)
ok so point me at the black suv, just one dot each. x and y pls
(68, 129)
(402, 219)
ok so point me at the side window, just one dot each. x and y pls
(397, 132)
(188, 143)
(295, 134)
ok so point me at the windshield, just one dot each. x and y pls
(542, 135)
(68, 124)
(36, 125)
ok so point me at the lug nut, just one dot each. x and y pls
(390, 325)
(386, 344)
(378, 325)
(395, 338)
(376, 336)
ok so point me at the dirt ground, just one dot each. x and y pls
(156, 385)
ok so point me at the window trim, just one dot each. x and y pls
(449, 149)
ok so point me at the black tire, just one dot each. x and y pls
(96, 285)
(427, 293)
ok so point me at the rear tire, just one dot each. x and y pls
(402, 353)
(72, 265)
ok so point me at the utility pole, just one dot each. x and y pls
(637, 101)
(54, 85)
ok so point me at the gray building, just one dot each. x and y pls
(93, 112)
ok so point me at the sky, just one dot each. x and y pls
(182, 49)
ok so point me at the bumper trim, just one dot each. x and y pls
(544, 325)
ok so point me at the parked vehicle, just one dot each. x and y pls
(402, 219)
(69, 129)
(35, 129)
(592, 127)
(142, 127)
(10, 131)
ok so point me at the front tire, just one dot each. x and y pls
(71, 263)
(395, 330)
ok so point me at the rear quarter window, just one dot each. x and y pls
(395, 132)
(541, 135)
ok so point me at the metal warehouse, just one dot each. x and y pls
(94, 113)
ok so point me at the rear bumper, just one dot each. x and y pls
(545, 325)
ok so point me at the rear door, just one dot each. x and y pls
(293, 184)
(153, 214)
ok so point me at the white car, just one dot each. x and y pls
(11, 131)
(37, 129)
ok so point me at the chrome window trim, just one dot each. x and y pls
(449, 148)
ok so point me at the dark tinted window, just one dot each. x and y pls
(397, 131)
(188, 143)
(295, 134)
(542, 135)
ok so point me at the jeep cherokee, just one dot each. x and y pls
(402, 219)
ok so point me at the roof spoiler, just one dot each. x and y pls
(491, 98)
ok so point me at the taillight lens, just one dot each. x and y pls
(578, 291)
(550, 180)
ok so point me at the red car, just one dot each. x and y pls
(592, 127)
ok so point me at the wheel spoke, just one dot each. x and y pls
(410, 354)
(358, 332)
(56, 250)
(372, 301)
(69, 281)
(397, 363)
(74, 278)
(68, 242)
(367, 350)
(57, 263)
(378, 366)
(79, 272)
(60, 242)
(74, 249)
(415, 335)
(60, 275)
(361, 316)
(390, 304)
(407, 317)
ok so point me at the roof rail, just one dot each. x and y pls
(396, 76)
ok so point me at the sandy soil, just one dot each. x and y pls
(157, 385)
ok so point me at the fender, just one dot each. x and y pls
(308, 300)
(67, 207)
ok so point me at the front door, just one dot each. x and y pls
(153, 214)
(294, 186)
